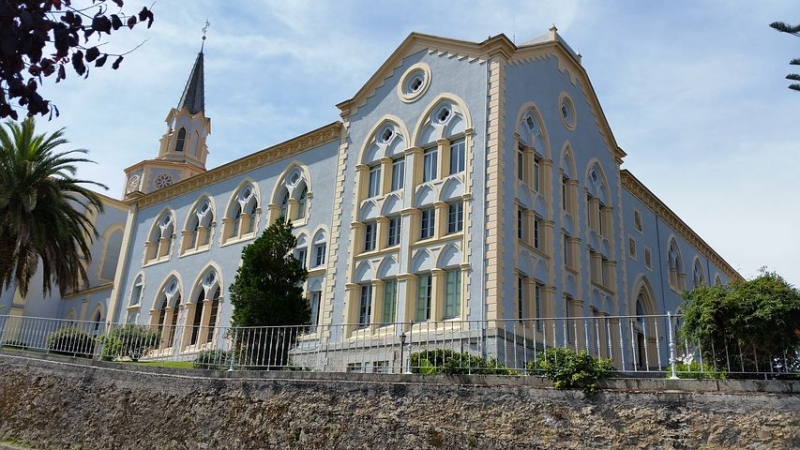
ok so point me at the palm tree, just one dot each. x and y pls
(43, 210)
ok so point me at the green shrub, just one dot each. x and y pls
(696, 371)
(15, 343)
(71, 341)
(131, 341)
(446, 361)
(213, 360)
(570, 370)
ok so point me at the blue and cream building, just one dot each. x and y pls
(464, 182)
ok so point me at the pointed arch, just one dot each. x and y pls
(392, 205)
(675, 265)
(159, 243)
(596, 182)
(449, 256)
(241, 212)
(196, 234)
(137, 290)
(383, 139)
(439, 131)
(388, 268)
(422, 261)
(698, 274)
(364, 272)
(531, 129)
(291, 195)
(643, 298)
(567, 161)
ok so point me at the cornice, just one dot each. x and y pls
(235, 168)
(646, 196)
(91, 290)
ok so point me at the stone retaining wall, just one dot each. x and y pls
(64, 404)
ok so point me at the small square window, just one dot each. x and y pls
(632, 248)
(648, 259)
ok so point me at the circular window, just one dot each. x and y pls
(414, 83)
(133, 183)
(443, 114)
(210, 278)
(385, 136)
(163, 180)
(567, 111)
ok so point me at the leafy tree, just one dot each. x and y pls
(43, 210)
(39, 38)
(752, 324)
(794, 30)
(268, 292)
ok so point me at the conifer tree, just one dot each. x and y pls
(268, 292)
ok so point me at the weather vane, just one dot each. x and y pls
(205, 30)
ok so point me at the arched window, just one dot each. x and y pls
(165, 315)
(181, 141)
(677, 274)
(320, 249)
(242, 214)
(197, 234)
(698, 278)
(157, 247)
(136, 292)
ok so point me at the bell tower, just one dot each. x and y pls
(182, 152)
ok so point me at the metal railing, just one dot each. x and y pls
(635, 345)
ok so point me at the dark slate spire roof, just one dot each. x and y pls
(193, 97)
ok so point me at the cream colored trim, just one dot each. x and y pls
(641, 192)
(534, 109)
(91, 290)
(416, 42)
(236, 168)
(495, 195)
(163, 286)
(431, 108)
(197, 283)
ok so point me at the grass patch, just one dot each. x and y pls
(170, 364)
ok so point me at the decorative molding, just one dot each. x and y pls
(236, 168)
(646, 196)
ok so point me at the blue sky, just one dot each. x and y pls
(693, 91)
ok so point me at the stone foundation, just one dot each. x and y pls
(62, 404)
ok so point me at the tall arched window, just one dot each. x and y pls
(157, 247)
(166, 312)
(241, 216)
(197, 234)
(181, 141)
(677, 273)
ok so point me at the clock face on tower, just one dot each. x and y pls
(133, 183)
(163, 180)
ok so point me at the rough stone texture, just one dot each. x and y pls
(62, 404)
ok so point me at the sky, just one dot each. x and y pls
(693, 90)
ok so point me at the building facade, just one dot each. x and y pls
(464, 182)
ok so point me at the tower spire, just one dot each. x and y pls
(193, 98)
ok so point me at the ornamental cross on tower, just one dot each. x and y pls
(205, 30)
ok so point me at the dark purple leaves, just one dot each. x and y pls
(39, 39)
